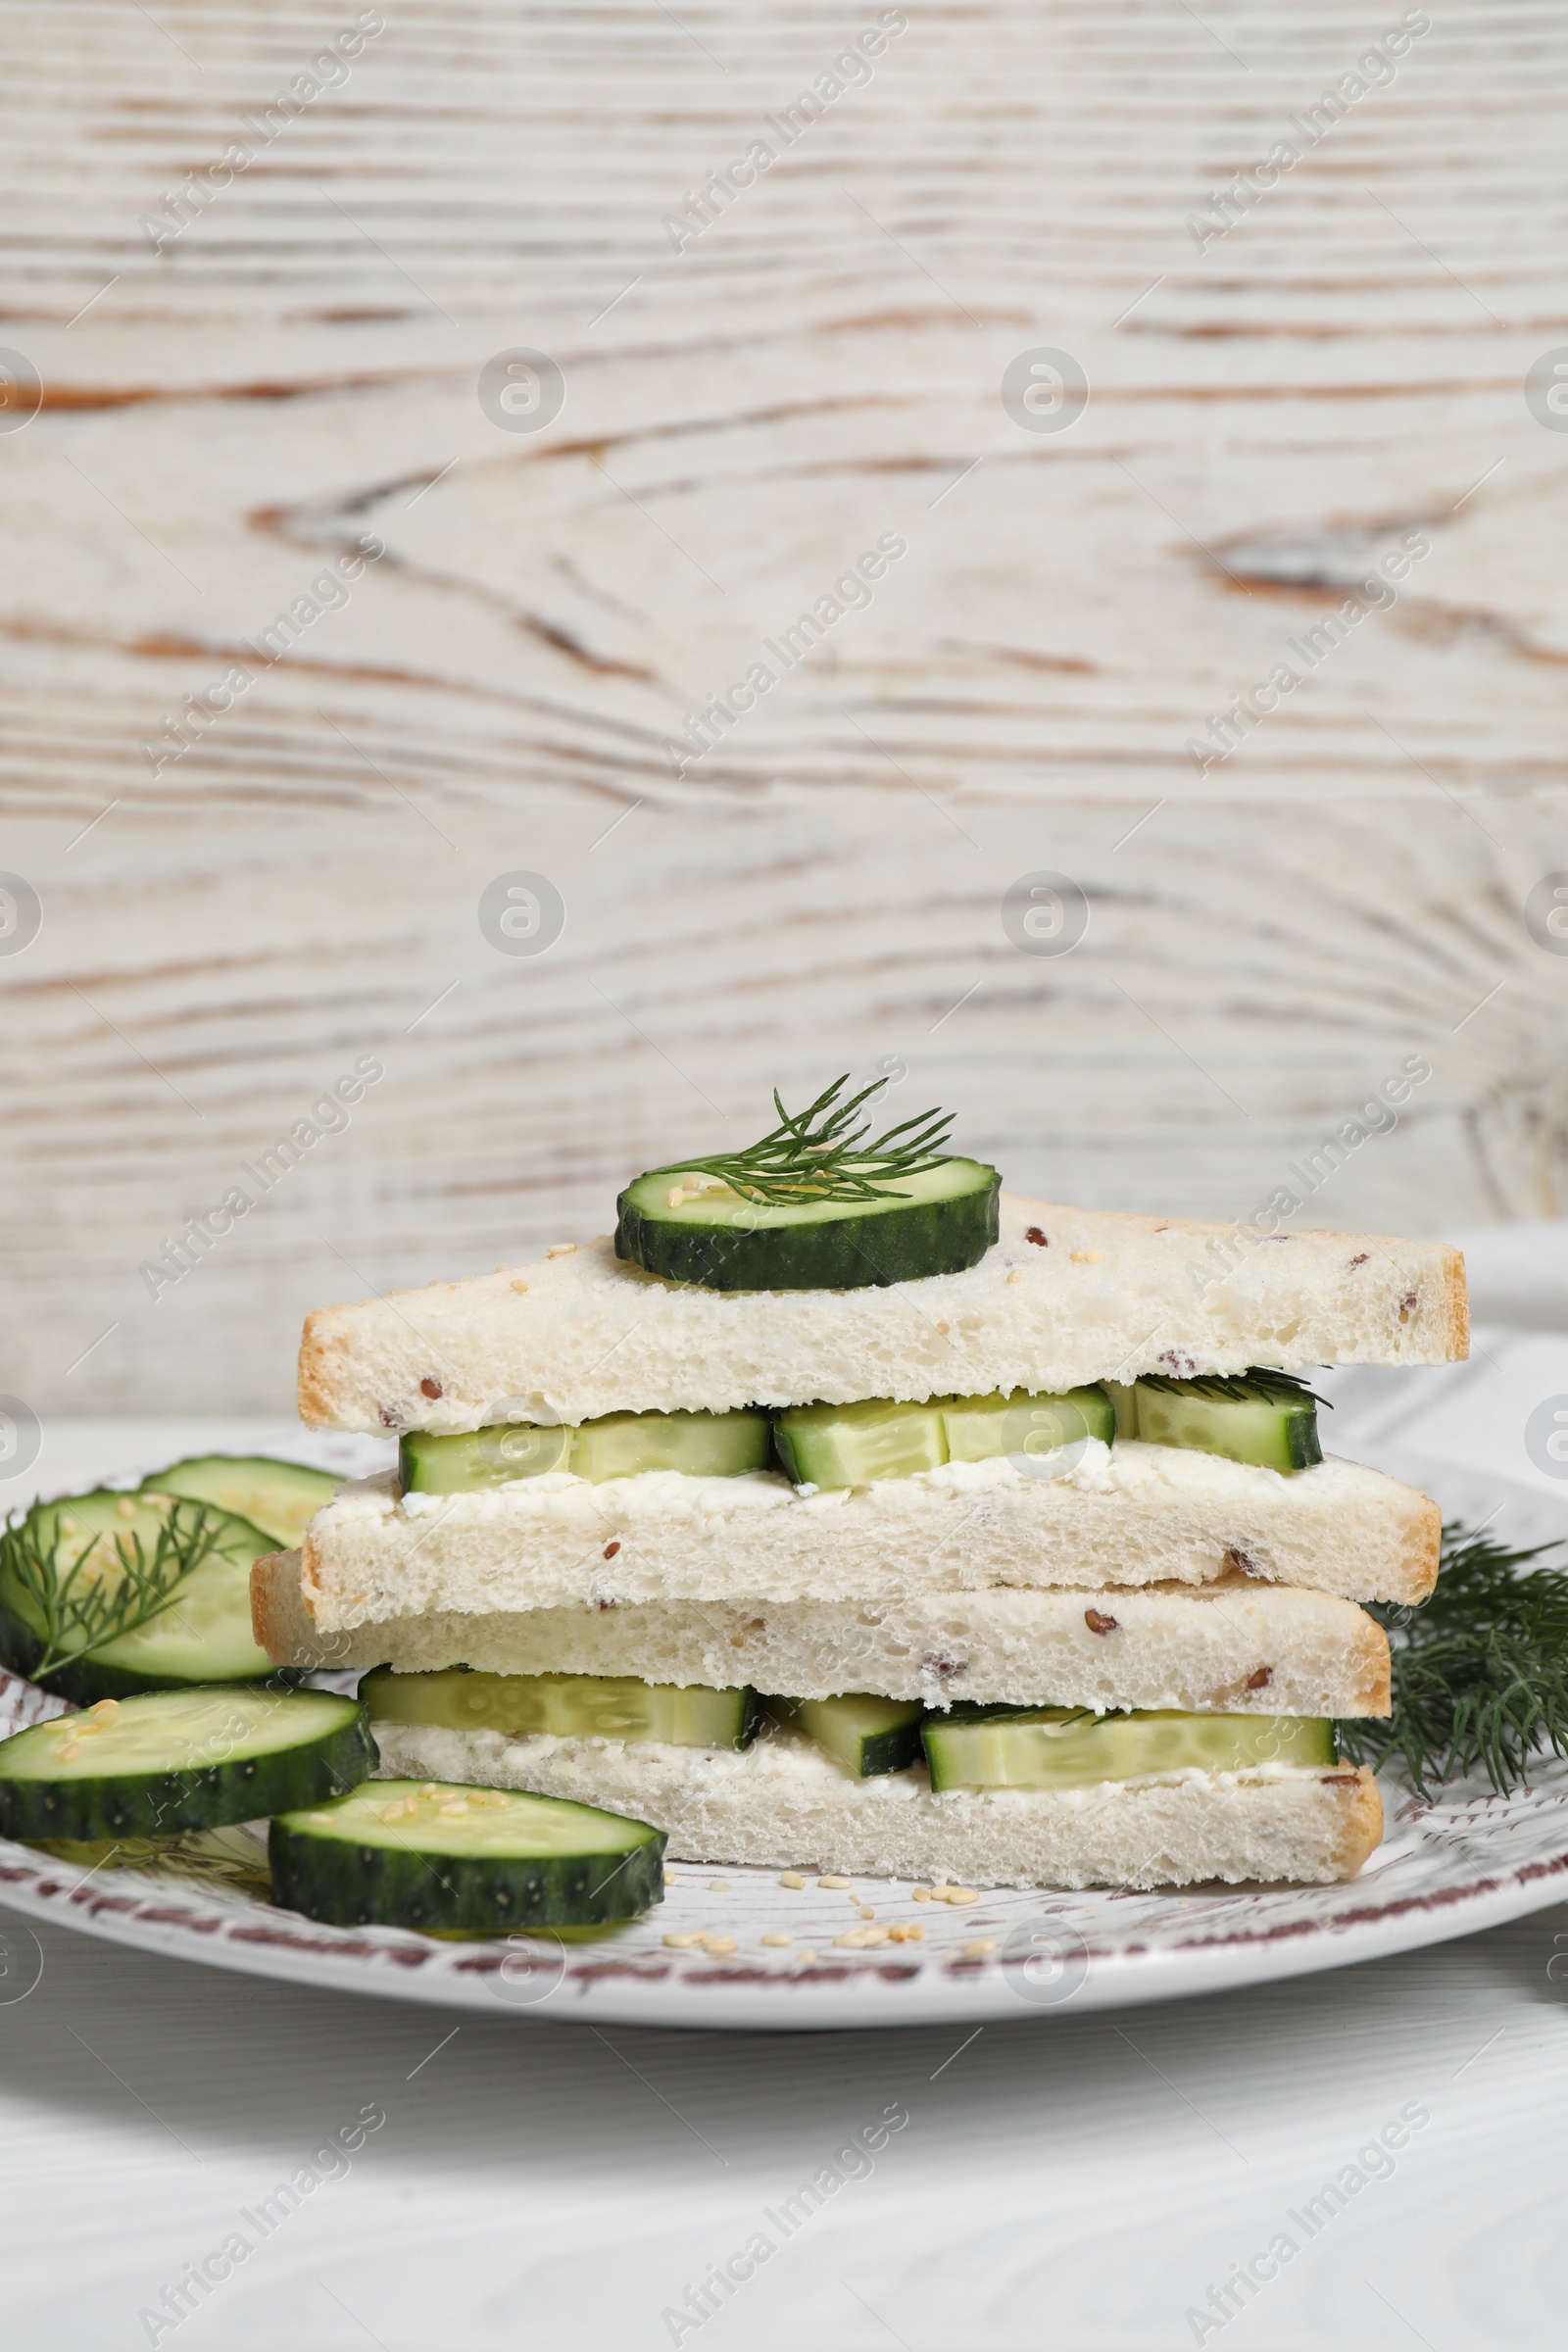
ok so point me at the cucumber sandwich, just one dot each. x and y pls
(841, 1508)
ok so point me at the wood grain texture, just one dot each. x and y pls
(298, 368)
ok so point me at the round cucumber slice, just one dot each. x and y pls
(281, 1498)
(568, 1706)
(441, 1855)
(166, 1761)
(203, 1635)
(1059, 1748)
(937, 1222)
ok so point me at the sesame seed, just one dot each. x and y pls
(105, 1710)
(835, 1882)
(718, 1886)
(1016, 1275)
(679, 1943)
(431, 1789)
(959, 1897)
(778, 1940)
(67, 1525)
(979, 1950)
(718, 1946)
(517, 1283)
(791, 1878)
(452, 1812)
(1086, 1258)
(922, 1894)
(866, 1911)
(915, 1932)
(560, 1249)
(127, 1508)
(805, 1956)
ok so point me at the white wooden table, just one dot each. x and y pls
(1066, 2185)
(228, 410)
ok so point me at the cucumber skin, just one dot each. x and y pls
(87, 1680)
(372, 1886)
(212, 1797)
(933, 1237)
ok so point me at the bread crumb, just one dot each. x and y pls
(517, 1283)
(560, 1249)
(778, 1940)
(1087, 1257)
(835, 1882)
(792, 1877)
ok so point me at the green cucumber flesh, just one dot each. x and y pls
(567, 1706)
(1264, 1419)
(280, 1499)
(202, 1636)
(698, 1445)
(446, 1856)
(851, 1445)
(934, 1223)
(1061, 1747)
(165, 1761)
(871, 1735)
(1024, 1424)
(480, 1457)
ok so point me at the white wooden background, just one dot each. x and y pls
(821, 366)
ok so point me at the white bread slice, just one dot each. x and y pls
(784, 1804)
(1131, 1514)
(1235, 1645)
(1104, 1297)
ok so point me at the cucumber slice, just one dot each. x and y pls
(480, 1457)
(934, 1223)
(617, 1446)
(1056, 1748)
(203, 1635)
(700, 1445)
(1023, 1423)
(172, 1760)
(443, 1856)
(871, 1735)
(569, 1706)
(1263, 1418)
(851, 1445)
(281, 1498)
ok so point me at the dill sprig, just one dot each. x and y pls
(1480, 1670)
(821, 1153)
(73, 1606)
(1238, 1387)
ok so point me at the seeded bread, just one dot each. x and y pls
(1067, 1296)
(784, 1804)
(1233, 1647)
(1131, 1514)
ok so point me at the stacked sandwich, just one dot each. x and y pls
(842, 1510)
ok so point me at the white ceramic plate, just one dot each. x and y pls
(1441, 1871)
